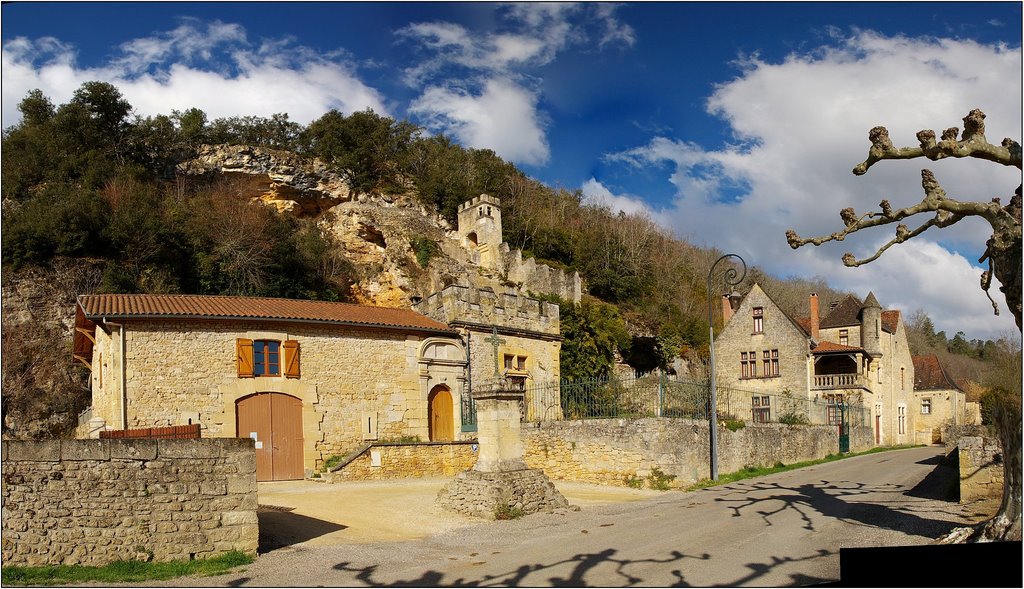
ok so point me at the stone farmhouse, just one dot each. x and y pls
(938, 401)
(855, 353)
(305, 379)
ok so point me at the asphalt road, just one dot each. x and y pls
(778, 530)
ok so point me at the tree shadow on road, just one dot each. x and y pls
(838, 500)
(532, 575)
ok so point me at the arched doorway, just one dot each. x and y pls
(274, 420)
(440, 414)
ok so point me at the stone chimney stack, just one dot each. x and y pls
(815, 316)
(727, 310)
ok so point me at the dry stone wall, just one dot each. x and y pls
(981, 468)
(92, 502)
(400, 461)
(610, 451)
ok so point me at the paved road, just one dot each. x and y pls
(779, 530)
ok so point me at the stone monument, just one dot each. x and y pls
(500, 482)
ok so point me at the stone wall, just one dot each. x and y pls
(608, 451)
(92, 502)
(981, 468)
(400, 461)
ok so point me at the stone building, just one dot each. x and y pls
(857, 353)
(508, 336)
(938, 401)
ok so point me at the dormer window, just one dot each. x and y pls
(758, 320)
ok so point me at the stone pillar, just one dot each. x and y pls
(497, 418)
(500, 485)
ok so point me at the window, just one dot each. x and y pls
(770, 360)
(515, 363)
(844, 337)
(761, 408)
(903, 372)
(901, 414)
(767, 371)
(758, 320)
(753, 364)
(775, 362)
(832, 413)
(745, 364)
(926, 406)
(266, 358)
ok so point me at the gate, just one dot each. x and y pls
(274, 421)
(844, 428)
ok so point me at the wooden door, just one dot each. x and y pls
(441, 415)
(275, 422)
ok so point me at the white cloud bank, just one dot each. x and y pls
(475, 84)
(211, 66)
(798, 129)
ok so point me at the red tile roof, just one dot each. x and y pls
(829, 347)
(146, 306)
(890, 320)
(930, 376)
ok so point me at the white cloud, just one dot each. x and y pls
(503, 117)
(467, 72)
(212, 67)
(596, 193)
(799, 128)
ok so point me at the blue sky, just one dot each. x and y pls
(727, 123)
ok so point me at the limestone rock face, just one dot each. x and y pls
(284, 180)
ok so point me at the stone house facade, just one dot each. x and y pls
(938, 401)
(507, 336)
(305, 379)
(772, 364)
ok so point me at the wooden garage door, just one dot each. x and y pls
(276, 421)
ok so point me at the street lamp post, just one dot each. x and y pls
(731, 278)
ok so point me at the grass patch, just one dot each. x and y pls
(123, 571)
(504, 511)
(749, 472)
(659, 480)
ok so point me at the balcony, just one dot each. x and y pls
(837, 381)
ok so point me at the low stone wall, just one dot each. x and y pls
(412, 460)
(92, 502)
(981, 468)
(951, 435)
(486, 494)
(610, 451)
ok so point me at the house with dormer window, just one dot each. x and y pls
(854, 352)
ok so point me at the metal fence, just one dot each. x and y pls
(661, 395)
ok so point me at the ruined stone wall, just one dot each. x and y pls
(981, 468)
(608, 451)
(92, 502)
(531, 276)
(400, 461)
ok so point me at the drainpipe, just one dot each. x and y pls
(123, 381)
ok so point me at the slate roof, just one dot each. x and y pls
(845, 314)
(930, 376)
(146, 306)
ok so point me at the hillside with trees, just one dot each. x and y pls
(93, 202)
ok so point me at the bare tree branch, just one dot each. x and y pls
(972, 144)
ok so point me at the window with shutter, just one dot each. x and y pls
(291, 358)
(243, 349)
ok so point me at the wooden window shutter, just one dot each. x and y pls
(291, 358)
(243, 349)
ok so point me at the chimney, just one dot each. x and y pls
(815, 320)
(727, 310)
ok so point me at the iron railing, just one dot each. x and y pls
(661, 395)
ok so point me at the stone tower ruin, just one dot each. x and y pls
(480, 230)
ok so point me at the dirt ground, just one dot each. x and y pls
(319, 514)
